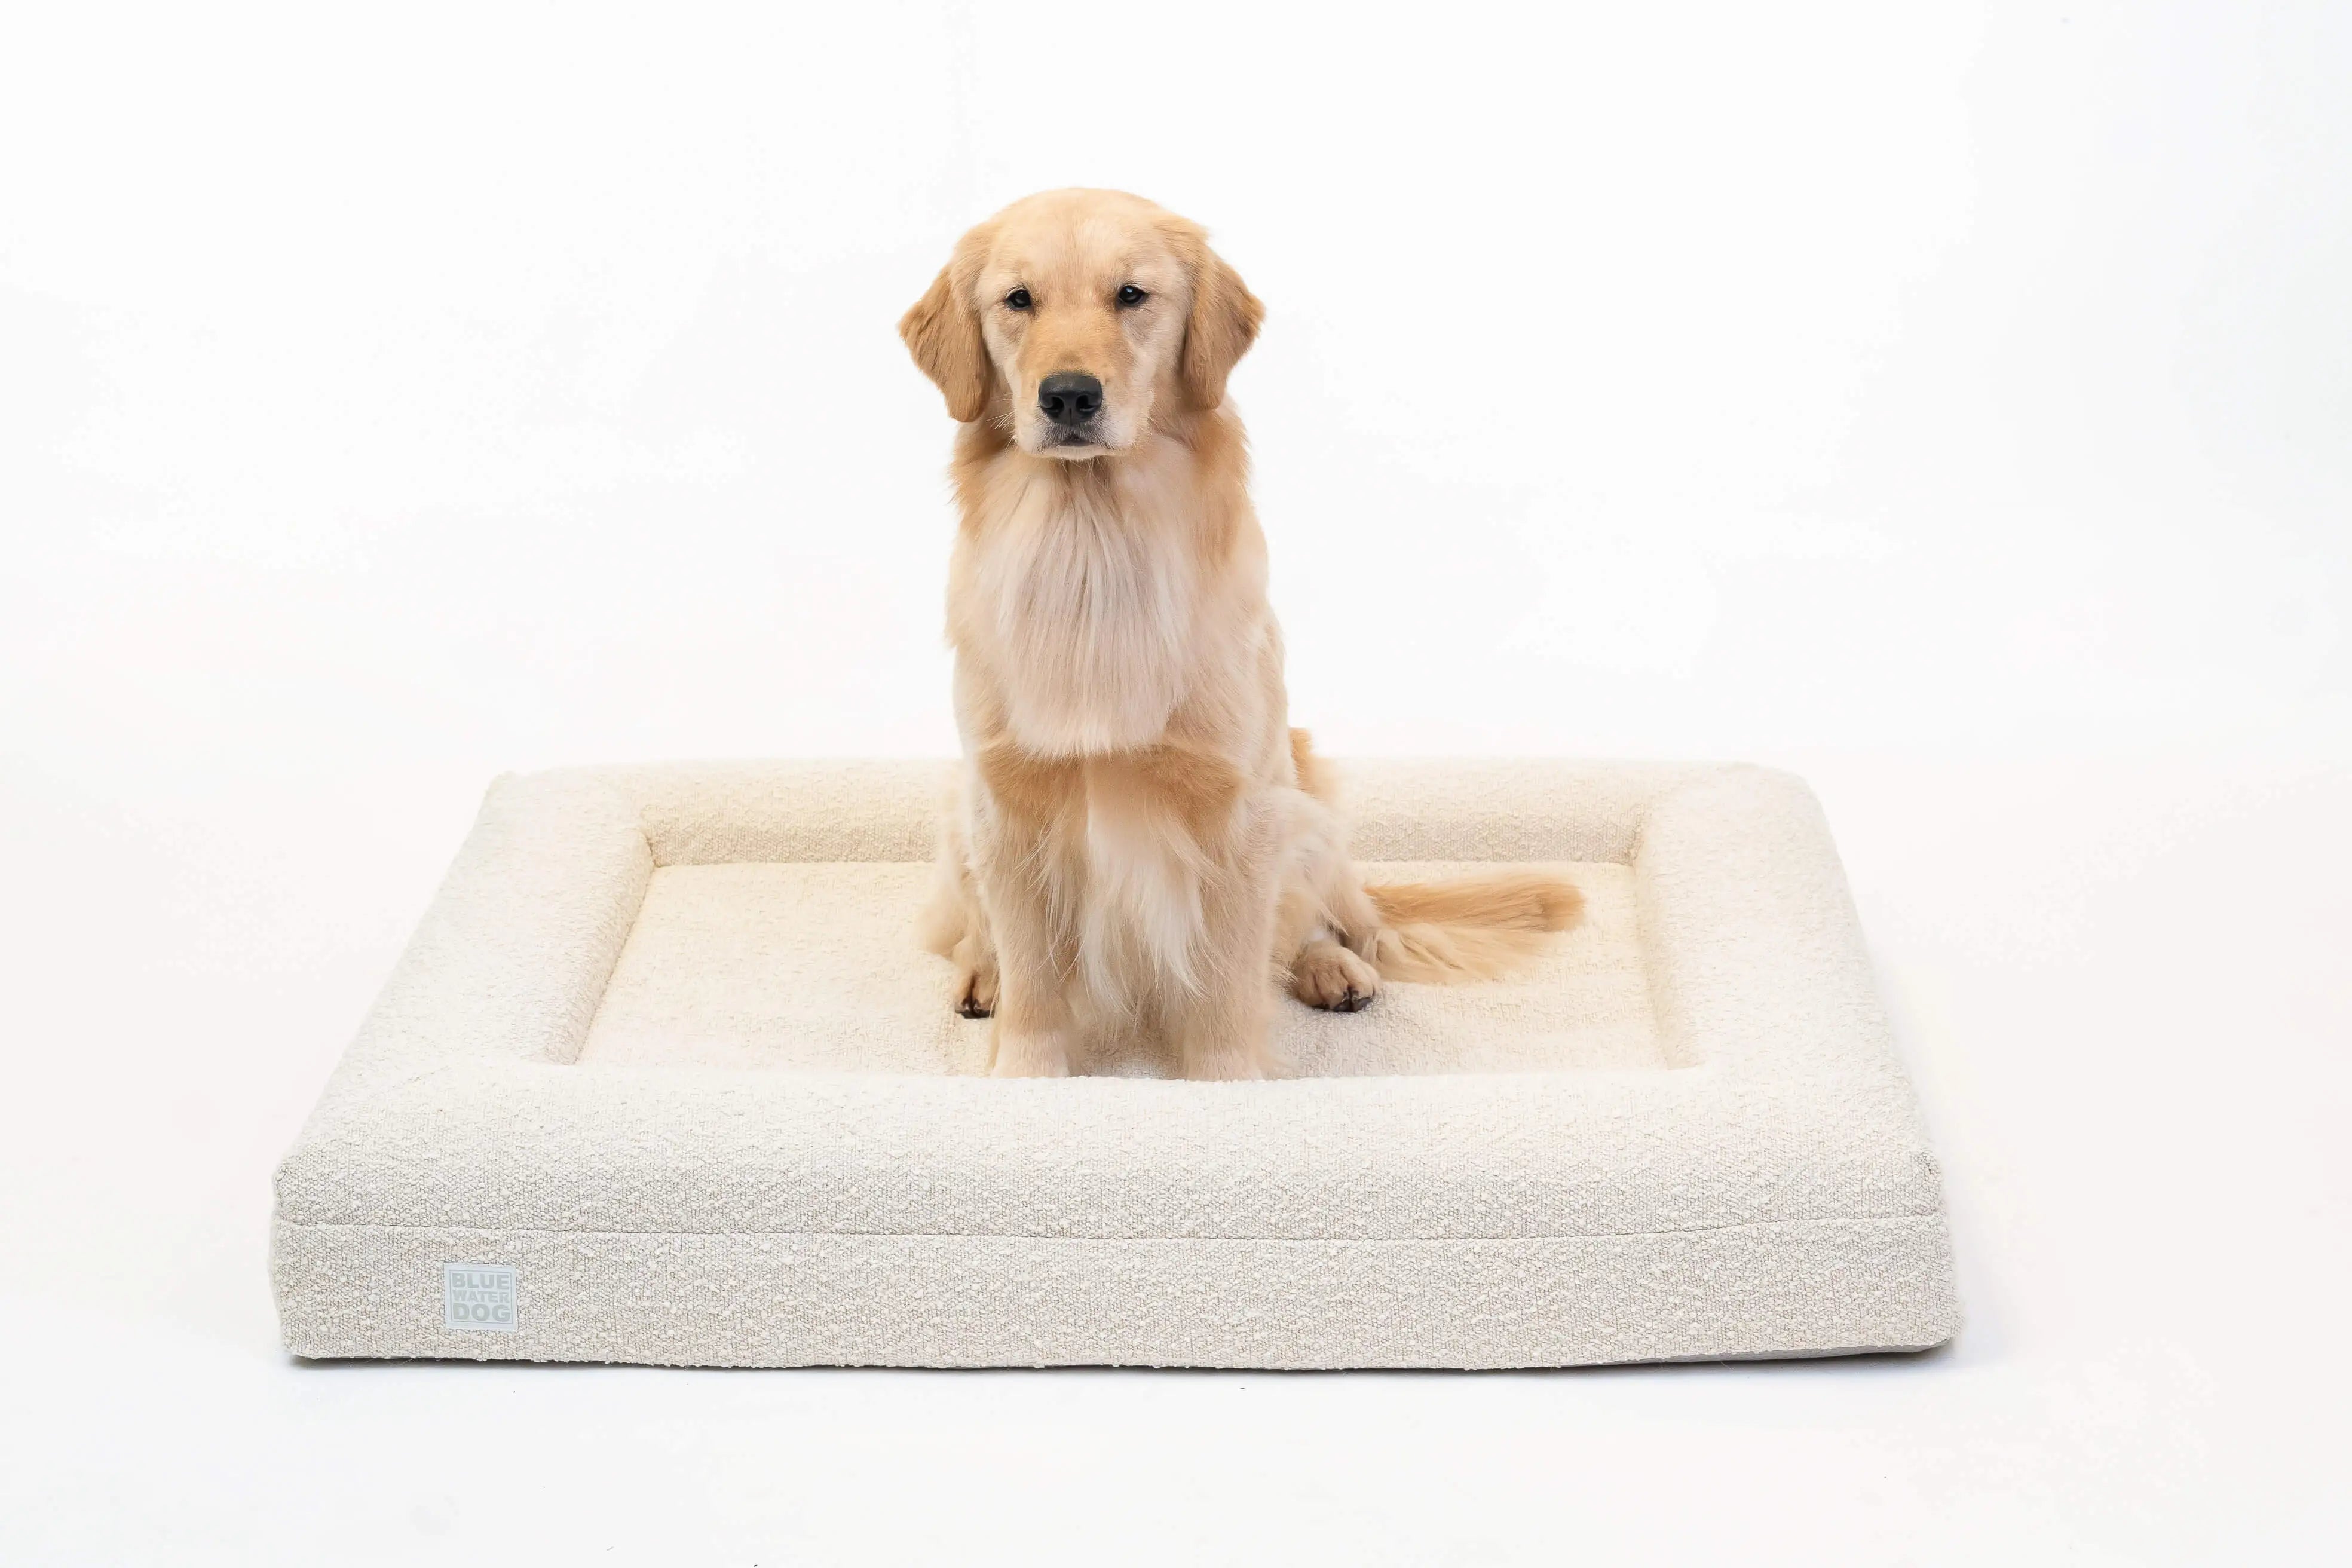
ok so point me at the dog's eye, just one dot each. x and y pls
(1131, 295)
(1019, 298)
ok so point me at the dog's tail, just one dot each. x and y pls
(1477, 927)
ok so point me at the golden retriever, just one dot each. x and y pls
(1142, 847)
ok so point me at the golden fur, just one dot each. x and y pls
(1141, 845)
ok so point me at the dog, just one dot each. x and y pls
(1140, 846)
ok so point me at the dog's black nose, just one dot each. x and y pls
(1069, 398)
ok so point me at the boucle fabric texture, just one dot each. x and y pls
(665, 1045)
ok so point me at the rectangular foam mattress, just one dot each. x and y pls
(665, 1077)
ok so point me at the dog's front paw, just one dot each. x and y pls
(1240, 1064)
(1328, 976)
(976, 995)
(1024, 1055)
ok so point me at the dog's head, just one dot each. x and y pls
(1069, 316)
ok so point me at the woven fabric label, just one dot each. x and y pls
(477, 1296)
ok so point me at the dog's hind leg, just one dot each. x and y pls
(1324, 928)
(954, 922)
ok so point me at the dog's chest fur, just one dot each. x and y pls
(1088, 607)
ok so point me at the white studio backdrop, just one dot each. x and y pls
(513, 388)
(1943, 401)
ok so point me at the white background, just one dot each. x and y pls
(1953, 404)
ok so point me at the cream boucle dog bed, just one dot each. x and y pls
(664, 1077)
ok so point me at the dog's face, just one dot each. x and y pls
(1071, 316)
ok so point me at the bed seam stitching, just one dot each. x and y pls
(1032, 1236)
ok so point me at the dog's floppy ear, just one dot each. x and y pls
(944, 335)
(1223, 323)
